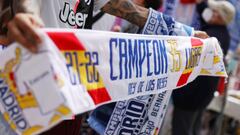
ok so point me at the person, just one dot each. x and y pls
(61, 13)
(215, 17)
(25, 19)
(125, 26)
(191, 101)
(99, 118)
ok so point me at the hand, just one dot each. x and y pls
(201, 34)
(22, 28)
(116, 28)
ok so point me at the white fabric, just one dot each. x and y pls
(50, 11)
(102, 66)
(105, 23)
(1, 47)
(155, 106)
(147, 122)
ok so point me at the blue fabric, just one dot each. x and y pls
(169, 7)
(196, 21)
(234, 27)
(96, 123)
(4, 127)
(160, 24)
(99, 118)
(1, 47)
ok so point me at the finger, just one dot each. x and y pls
(117, 28)
(27, 29)
(15, 34)
(201, 34)
(204, 34)
(37, 21)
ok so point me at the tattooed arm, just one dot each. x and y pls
(128, 10)
(135, 14)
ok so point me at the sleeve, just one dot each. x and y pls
(160, 24)
(98, 4)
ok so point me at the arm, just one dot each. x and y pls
(138, 15)
(128, 10)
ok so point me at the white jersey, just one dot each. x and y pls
(1, 47)
(69, 13)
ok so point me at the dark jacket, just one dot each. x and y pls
(199, 93)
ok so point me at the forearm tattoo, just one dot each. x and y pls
(126, 9)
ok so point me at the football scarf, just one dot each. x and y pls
(37, 91)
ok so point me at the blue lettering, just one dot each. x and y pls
(132, 117)
(8, 100)
(150, 85)
(88, 66)
(149, 54)
(3, 90)
(133, 58)
(137, 58)
(142, 44)
(136, 106)
(125, 132)
(131, 88)
(157, 58)
(70, 64)
(140, 87)
(163, 57)
(123, 56)
(113, 42)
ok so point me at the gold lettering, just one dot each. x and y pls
(176, 56)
